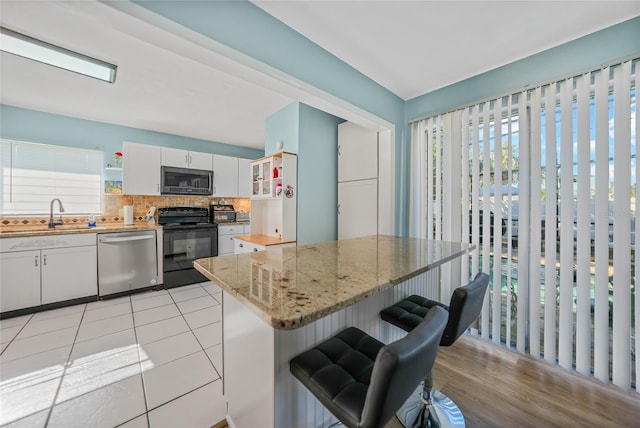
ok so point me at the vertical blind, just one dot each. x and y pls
(32, 174)
(543, 183)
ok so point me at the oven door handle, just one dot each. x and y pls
(126, 239)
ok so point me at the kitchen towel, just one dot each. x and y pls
(127, 214)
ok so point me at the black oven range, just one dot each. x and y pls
(188, 236)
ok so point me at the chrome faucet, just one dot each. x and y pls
(52, 223)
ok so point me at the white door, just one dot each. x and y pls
(244, 178)
(19, 280)
(199, 160)
(357, 208)
(357, 152)
(140, 169)
(69, 273)
(225, 176)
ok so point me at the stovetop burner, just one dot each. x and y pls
(183, 216)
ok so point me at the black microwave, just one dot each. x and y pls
(186, 181)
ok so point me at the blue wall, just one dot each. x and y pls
(39, 127)
(317, 176)
(313, 135)
(283, 126)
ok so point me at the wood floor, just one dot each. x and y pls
(496, 387)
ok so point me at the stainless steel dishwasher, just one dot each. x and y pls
(127, 261)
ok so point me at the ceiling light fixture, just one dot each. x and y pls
(37, 50)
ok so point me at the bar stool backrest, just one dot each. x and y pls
(399, 368)
(464, 308)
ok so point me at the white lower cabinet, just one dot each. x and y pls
(226, 237)
(69, 273)
(39, 270)
(19, 280)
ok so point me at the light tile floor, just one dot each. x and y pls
(148, 360)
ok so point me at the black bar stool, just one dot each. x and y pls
(363, 382)
(433, 408)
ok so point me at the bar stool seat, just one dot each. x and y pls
(363, 382)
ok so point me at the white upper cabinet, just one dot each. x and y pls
(274, 196)
(244, 178)
(357, 152)
(186, 159)
(225, 176)
(357, 181)
(140, 169)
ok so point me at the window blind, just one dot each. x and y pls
(549, 187)
(33, 174)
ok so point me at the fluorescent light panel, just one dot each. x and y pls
(37, 50)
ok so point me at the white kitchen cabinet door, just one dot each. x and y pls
(199, 160)
(244, 178)
(19, 280)
(140, 169)
(357, 152)
(225, 176)
(357, 208)
(225, 244)
(186, 159)
(175, 157)
(69, 273)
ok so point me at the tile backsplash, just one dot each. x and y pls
(112, 204)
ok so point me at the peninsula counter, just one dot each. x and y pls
(282, 301)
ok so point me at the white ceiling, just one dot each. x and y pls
(415, 47)
(177, 83)
(159, 86)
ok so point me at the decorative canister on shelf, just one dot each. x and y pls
(118, 159)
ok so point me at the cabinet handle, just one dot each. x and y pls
(241, 246)
(186, 159)
(190, 160)
(44, 260)
(339, 154)
(158, 187)
(35, 262)
(338, 209)
(255, 249)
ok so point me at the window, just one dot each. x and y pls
(33, 174)
(543, 183)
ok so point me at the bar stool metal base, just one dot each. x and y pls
(441, 412)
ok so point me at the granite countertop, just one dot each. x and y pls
(291, 287)
(232, 223)
(264, 240)
(25, 231)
